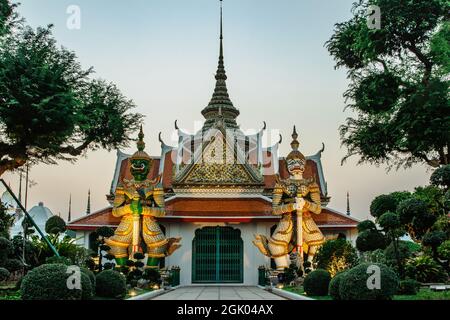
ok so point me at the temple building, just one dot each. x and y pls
(218, 185)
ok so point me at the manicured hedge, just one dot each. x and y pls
(49, 282)
(90, 275)
(333, 288)
(111, 284)
(354, 284)
(87, 292)
(317, 283)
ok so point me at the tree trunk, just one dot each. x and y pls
(397, 257)
(9, 165)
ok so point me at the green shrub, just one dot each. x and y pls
(58, 260)
(335, 256)
(333, 288)
(87, 292)
(90, 275)
(433, 239)
(441, 177)
(408, 287)
(376, 256)
(55, 225)
(48, 282)
(366, 225)
(404, 252)
(290, 273)
(425, 269)
(111, 284)
(353, 285)
(370, 240)
(152, 275)
(4, 274)
(105, 232)
(13, 265)
(444, 250)
(381, 204)
(317, 282)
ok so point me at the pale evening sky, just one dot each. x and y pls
(163, 55)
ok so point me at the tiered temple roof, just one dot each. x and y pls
(219, 173)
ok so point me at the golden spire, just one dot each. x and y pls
(295, 154)
(140, 154)
(141, 143)
(295, 144)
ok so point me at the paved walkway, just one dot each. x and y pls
(218, 293)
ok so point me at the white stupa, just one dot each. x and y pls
(40, 215)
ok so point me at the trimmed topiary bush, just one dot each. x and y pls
(333, 288)
(105, 232)
(111, 284)
(354, 284)
(408, 287)
(55, 225)
(87, 292)
(370, 240)
(381, 204)
(58, 260)
(13, 265)
(4, 274)
(90, 275)
(366, 225)
(48, 282)
(317, 282)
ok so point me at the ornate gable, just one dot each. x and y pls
(219, 162)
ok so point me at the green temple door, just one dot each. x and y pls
(217, 255)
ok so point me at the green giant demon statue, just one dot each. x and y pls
(139, 202)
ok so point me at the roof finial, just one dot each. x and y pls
(88, 209)
(141, 143)
(220, 96)
(221, 29)
(348, 203)
(69, 215)
(295, 144)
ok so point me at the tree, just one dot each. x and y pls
(433, 240)
(6, 221)
(399, 82)
(415, 215)
(50, 109)
(102, 233)
(366, 225)
(390, 222)
(441, 177)
(55, 225)
(8, 17)
(370, 240)
(382, 204)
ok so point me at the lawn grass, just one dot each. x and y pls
(423, 294)
(300, 291)
(9, 294)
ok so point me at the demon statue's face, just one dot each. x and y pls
(140, 169)
(296, 166)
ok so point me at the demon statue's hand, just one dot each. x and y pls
(136, 206)
(299, 203)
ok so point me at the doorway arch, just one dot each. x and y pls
(217, 255)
